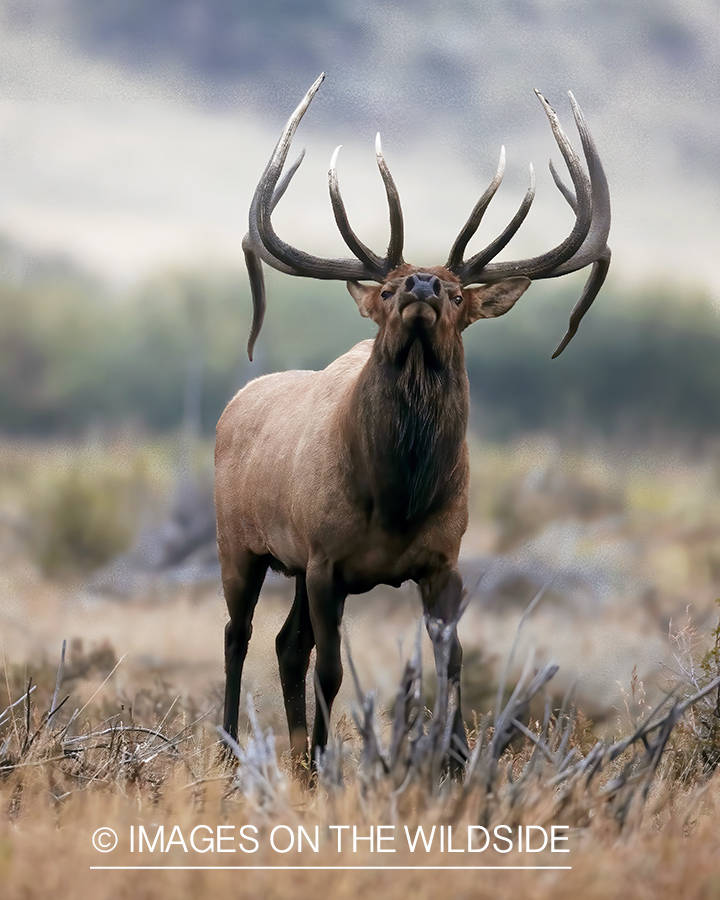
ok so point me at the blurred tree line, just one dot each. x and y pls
(75, 355)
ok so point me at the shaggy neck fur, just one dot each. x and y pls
(411, 418)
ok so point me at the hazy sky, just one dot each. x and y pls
(128, 174)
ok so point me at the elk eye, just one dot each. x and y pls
(386, 294)
(458, 298)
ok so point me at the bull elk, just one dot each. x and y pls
(358, 475)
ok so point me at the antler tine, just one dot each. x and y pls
(257, 291)
(473, 223)
(590, 291)
(354, 244)
(285, 181)
(562, 187)
(477, 262)
(594, 249)
(393, 259)
(595, 245)
(397, 232)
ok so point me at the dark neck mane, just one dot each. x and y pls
(411, 418)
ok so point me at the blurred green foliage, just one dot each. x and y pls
(74, 356)
(79, 521)
(643, 364)
(82, 505)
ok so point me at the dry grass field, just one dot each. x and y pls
(625, 542)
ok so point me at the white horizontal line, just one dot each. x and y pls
(324, 868)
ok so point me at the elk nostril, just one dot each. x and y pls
(436, 286)
(410, 283)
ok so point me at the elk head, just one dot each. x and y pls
(430, 307)
(429, 303)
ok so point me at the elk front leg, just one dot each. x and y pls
(294, 644)
(241, 582)
(326, 601)
(442, 593)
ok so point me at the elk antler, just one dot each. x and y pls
(262, 243)
(585, 245)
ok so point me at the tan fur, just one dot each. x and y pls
(282, 464)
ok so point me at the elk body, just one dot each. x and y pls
(357, 475)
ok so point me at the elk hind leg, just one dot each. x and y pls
(241, 585)
(294, 645)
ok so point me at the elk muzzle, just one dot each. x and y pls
(420, 302)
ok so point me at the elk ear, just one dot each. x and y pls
(491, 300)
(365, 295)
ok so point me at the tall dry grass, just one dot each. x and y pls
(635, 822)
